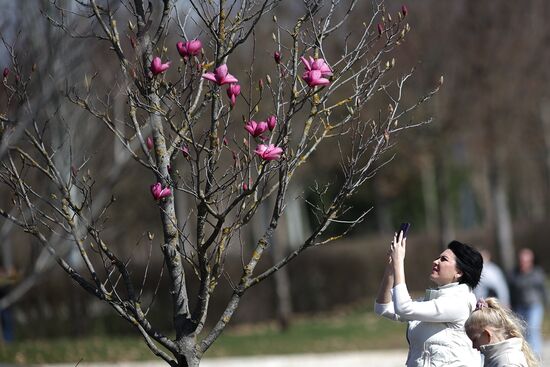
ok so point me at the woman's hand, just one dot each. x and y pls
(398, 248)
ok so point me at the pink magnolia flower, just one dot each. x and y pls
(158, 67)
(380, 28)
(5, 73)
(189, 48)
(149, 143)
(245, 186)
(232, 92)
(277, 57)
(255, 128)
(314, 78)
(271, 122)
(220, 76)
(317, 64)
(159, 192)
(268, 152)
(185, 151)
(404, 10)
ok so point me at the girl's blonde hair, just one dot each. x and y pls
(490, 313)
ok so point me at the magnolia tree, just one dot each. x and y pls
(184, 125)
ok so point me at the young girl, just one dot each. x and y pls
(498, 335)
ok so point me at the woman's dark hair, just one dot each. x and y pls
(468, 261)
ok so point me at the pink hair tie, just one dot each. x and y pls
(481, 303)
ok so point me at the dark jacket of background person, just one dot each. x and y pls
(528, 296)
(528, 288)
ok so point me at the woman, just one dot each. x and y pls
(498, 334)
(436, 324)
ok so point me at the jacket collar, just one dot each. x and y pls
(433, 293)
(491, 351)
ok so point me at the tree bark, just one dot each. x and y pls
(502, 218)
(545, 120)
(445, 207)
(429, 192)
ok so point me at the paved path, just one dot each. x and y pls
(381, 358)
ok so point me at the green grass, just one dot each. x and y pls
(355, 330)
(350, 330)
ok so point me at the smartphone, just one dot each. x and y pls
(404, 228)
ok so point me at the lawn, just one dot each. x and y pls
(356, 329)
(351, 330)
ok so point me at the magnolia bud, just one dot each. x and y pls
(389, 17)
(261, 85)
(130, 25)
(404, 10)
(274, 37)
(380, 28)
(268, 79)
(277, 57)
(275, 18)
(5, 73)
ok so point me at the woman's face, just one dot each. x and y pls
(444, 270)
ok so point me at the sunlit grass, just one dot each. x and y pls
(351, 330)
(355, 330)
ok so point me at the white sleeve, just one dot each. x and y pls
(386, 310)
(442, 309)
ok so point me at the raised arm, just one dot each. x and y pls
(384, 291)
(383, 305)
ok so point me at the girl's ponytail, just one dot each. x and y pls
(490, 313)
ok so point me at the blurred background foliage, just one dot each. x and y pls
(480, 172)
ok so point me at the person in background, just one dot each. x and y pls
(498, 334)
(493, 282)
(435, 325)
(528, 296)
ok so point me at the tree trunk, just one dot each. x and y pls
(383, 213)
(502, 219)
(429, 192)
(545, 119)
(282, 287)
(445, 207)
